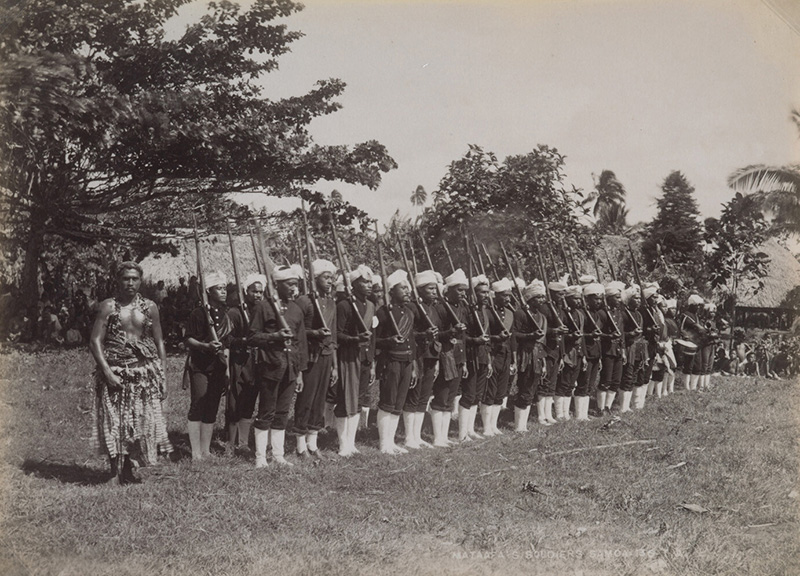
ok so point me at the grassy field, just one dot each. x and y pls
(732, 452)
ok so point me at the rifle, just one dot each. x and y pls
(495, 273)
(259, 264)
(610, 266)
(413, 256)
(539, 257)
(644, 305)
(413, 292)
(522, 301)
(583, 298)
(605, 302)
(491, 306)
(237, 278)
(312, 286)
(204, 295)
(473, 304)
(299, 250)
(453, 316)
(270, 292)
(566, 261)
(384, 277)
(348, 289)
(449, 258)
(553, 311)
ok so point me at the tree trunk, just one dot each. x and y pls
(29, 283)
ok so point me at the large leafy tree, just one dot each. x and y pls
(732, 255)
(673, 238)
(110, 130)
(511, 201)
(776, 188)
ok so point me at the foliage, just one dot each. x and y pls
(608, 204)
(672, 240)
(792, 299)
(776, 188)
(522, 196)
(111, 131)
(733, 238)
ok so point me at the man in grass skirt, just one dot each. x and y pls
(127, 345)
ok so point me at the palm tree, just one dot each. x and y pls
(776, 188)
(608, 197)
(418, 199)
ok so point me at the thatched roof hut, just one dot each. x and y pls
(783, 274)
(216, 253)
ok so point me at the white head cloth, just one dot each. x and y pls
(502, 285)
(362, 271)
(424, 278)
(535, 288)
(321, 266)
(253, 278)
(285, 273)
(594, 289)
(215, 279)
(397, 277)
(457, 278)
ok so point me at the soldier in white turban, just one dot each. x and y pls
(612, 346)
(207, 364)
(242, 391)
(633, 386)
(397, 370)
(529, 330)
(586, 387)
(319, 313)
(504, 357)
(452, 357)
(479, 364)
(693, 331)
(277, 329)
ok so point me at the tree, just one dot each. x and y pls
(776, 188)
(732, 240)
(608, 204)
(673, 237)
(102, 118)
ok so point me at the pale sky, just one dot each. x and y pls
(641, 88)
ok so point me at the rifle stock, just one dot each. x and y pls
(312, 286)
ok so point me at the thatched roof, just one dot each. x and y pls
(783, 275)
(216, 253)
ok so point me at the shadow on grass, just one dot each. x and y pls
(66, 473)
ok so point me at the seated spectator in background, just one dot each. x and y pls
(749, 367)
(49, 326)
(159, 293)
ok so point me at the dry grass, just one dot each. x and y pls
(458, 511)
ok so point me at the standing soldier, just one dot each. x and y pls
(612, 346)
(428, 348)
(529, 330)
(553, 349)
(574, 358)
(321, 373)
(670, 308)
(504, 357)
(452, 357)
(207, 365)
(278, 331)
(356, 358)
(708, 316)
(587, 379)
(655, 334)
(635, 351)
(692, 330)
(242, 391)
(479, 362)
(397, 370)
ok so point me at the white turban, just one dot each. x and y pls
(630, 292)
(519, 282)
(253, 278)
(651, 285)
(615, 288)
(339, 284)
(321, 266)
(457, 278)
(480, 279)
(672, 303)
(425, 277)
(502, 285)
(594, 289)
(574, 291)
(439, 279)
(397, 277)
(557, 286)
(361, 272)
(377, 280)
(215, 279)
(710, 307)
(694, 299)
(649, 290)
(535, 288)
(285, 273)
(299, 270)
(587, 279)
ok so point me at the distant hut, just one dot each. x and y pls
(216, 253)
(762, 309)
